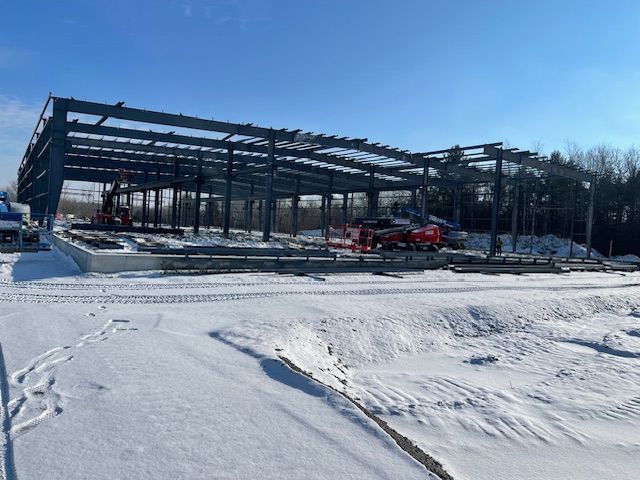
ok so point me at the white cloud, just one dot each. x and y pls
(17, 120)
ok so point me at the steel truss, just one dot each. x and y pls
(83, 141)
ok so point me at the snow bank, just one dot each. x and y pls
(547, 245)
(627, 258)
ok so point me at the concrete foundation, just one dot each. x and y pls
(104, 262)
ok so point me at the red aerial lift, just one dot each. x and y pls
(398, 233)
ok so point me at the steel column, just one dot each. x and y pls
(327, 229)
(156, 206)
(425, 186)
(345, 200)
(226, 219)
(250, 213)
(573, 216)
(274, 215)
(590, 208)
(55, 174)
(372, 195)
(457, 203)
(495, 207)
(323, 215)
(156, 200)
(268, 194)
(294, 210)
(144, 201)
(174, 205)
(534, 214)
(514, 215)
(198, 199)
(180, 206)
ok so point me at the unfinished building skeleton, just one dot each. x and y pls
(84, 141)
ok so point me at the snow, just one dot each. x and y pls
(147, 376)
(141, 391)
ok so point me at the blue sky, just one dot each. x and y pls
(414, 74)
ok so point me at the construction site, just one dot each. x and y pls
(170, 191)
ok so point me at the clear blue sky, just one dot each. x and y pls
(414, 74)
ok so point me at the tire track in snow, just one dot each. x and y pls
(210, 297)
(221, 297)
(191, 285)
(269, 281)
(7, 465)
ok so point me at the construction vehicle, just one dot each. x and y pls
(452, 234)
(10, 222)
(19, 230)
(366, 238)
(410, 237)
(417, 232)
(354, 238)
(107, 215)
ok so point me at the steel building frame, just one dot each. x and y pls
(77, 140)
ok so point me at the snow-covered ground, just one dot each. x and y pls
(150, 376)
